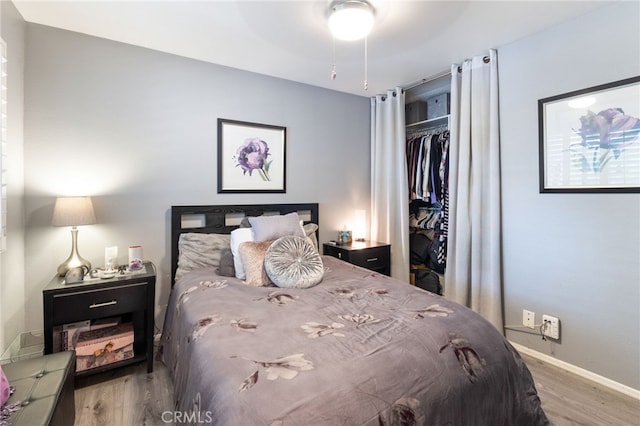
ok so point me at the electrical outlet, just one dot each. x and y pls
(551, 327)
(528, 318)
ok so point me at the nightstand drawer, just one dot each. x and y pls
(368, 254)
(373, 258)
(99, 303)
(332, 250)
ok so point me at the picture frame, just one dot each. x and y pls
(589, 139)
(251, 157)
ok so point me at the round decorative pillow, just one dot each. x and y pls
(293, 262)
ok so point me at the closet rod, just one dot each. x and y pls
(426, 80)
(485, 59)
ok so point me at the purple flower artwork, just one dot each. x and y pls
(590, 139)
(604, 136)
(252, 155)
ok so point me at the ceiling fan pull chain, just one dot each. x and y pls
(366, 82)
(333, 67)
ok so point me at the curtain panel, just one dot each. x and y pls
(389, 192)
(473, 276)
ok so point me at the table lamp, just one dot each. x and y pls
(360, 225)
(73, 211)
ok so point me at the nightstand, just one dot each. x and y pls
(129, 296)
(368, 254)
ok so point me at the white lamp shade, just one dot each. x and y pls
(73, 211)
(351, 20)
(360, 225)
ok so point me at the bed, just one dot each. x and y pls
(355, 348)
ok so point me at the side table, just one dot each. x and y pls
(131, 296)
(368, 254)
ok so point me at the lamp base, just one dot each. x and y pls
(74, 260)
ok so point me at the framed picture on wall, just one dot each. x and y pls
(251, 157)
(590, 139)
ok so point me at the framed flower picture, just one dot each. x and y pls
(590, 139)
(251, 157)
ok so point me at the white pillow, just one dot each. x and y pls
(239, 236)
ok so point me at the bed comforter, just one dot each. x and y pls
(360, 348)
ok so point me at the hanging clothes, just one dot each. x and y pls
(427, 165)
(444, 222)
(428, 172)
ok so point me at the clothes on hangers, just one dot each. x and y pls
(444, 222)
(427, 165)
(428, 172)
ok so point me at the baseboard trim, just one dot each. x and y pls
(619, 387)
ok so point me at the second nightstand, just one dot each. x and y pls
(368, 254)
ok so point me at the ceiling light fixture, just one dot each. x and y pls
(351, 19)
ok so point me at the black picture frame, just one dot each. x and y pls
(589, 139)
(251, 157)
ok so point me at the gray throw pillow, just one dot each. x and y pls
(293, 262)
(226, 268)
(268, 228)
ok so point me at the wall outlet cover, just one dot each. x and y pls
(528, 318)
(551, 327)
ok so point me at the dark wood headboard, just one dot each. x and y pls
(224, 219)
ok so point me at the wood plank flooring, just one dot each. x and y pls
(125, 396)
(130, 396)
(570, 400)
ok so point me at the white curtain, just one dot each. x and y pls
(473, 276)
(389, 191)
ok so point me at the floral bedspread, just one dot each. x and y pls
(360, 348)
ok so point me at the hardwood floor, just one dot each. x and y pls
(125, 396)
(130, 396)
(569, 399)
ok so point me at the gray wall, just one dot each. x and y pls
(137, 130)
(12, 288)
(574, 256)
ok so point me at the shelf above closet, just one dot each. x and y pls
(428, 89)
(433, 122)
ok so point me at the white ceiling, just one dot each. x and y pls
(411, 40)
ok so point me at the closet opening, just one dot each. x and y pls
(427, 120)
